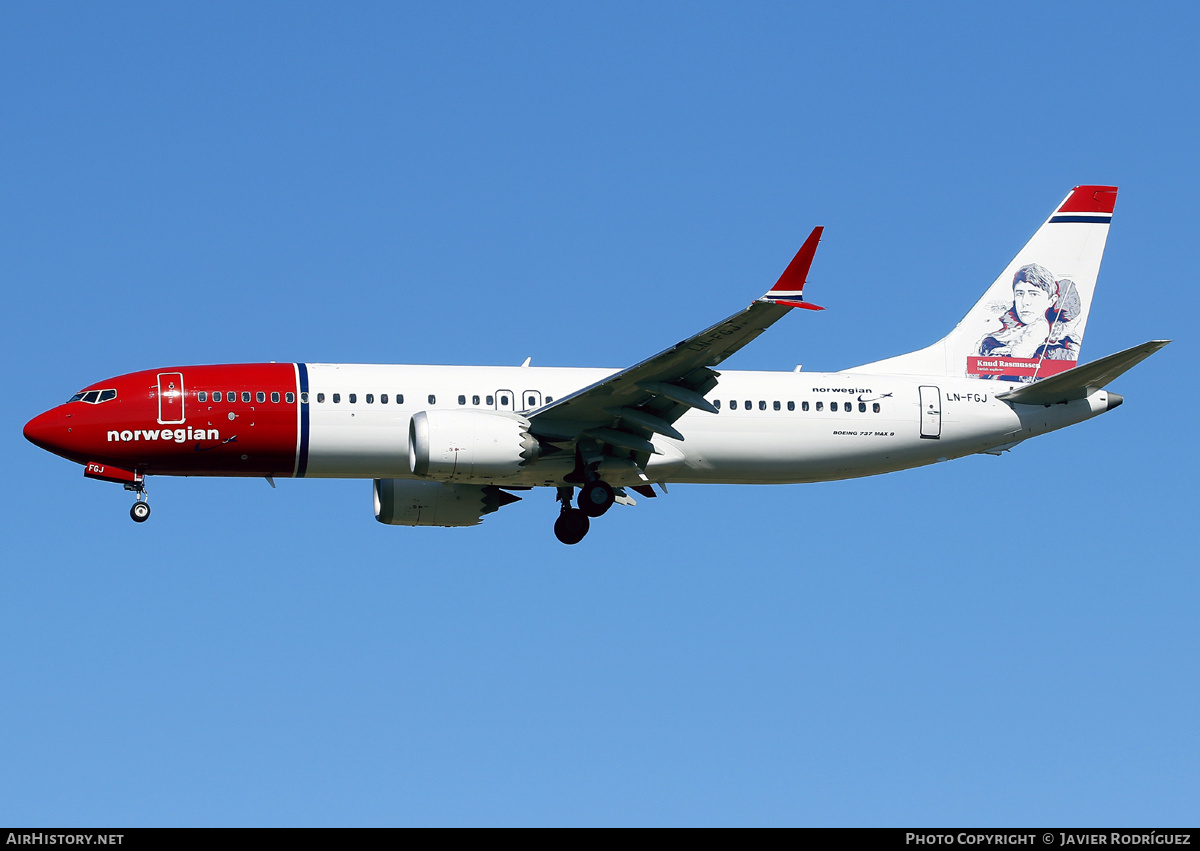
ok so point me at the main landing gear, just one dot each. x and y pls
(140, 511)
(572, 524)
(595, 498)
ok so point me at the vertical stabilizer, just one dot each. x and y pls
(1030, 322)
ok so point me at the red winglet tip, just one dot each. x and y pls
(803, 304)
(795, 275)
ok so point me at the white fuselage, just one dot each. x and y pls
(772, 428)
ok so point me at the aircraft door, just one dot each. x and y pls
(506, 400)
(170, 398)
(530, 400)
(931, 412)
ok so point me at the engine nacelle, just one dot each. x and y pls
(403, 502)
(464, 446)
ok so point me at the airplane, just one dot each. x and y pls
(448, 445)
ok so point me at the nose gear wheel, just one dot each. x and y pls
(140, 510)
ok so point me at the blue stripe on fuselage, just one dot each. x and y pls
(302, 461)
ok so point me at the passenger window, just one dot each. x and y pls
(804, 406)
(862, 407)
(717, 404)
(245, 395)
(504, 401)
(432, 399)
(775, 405)
(462, 400)
(791, 406)
(353, 398)
(762, 406)
(875, 408)
(290, 398)
(216, 395)
(474, 400)
(490, 400)
(370, 398)
(820, 405)
(399, 398)
(383, 398)
(549, 399)
(749, 405)
(337, 397)
(231, 396)
(260, 397)
(320, 397)
(733, 404)
(275, 396)
(202, 396)
(532, 402)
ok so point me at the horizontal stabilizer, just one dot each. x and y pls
(1082, 381)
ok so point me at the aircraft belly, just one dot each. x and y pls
(766, 452)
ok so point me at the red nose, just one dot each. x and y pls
(48, 430)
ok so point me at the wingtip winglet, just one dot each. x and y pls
(789, 289)
(806, 305)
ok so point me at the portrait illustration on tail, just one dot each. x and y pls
(1039, 325)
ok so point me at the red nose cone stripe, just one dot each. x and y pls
(220, 419)
(40, 430)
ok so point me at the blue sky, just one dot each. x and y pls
(997, 641)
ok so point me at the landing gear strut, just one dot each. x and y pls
(572, 524)
(140, 511)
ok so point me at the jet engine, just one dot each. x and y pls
(403, 502)
(466, 446)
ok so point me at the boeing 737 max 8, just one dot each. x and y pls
(447, 445)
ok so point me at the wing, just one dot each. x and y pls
(626, 409)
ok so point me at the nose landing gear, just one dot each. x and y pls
(140, 511)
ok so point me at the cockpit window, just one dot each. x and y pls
(93, 397)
